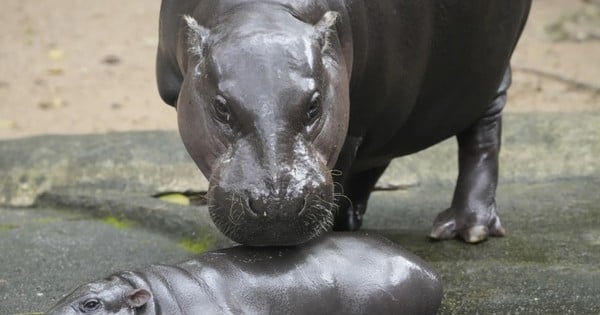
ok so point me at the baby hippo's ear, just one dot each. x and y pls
(137, 297)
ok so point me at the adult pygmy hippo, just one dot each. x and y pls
(340, 273)
(275, 96)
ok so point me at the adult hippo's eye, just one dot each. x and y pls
(90, 305)
(314, 109)
(221, 110)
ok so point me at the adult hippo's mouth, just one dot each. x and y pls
(286, 223)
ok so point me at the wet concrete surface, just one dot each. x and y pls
(45, 253)
(547, 263)
(70, 230)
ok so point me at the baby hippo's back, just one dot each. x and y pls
(340, 273)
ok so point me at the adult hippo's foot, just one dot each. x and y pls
(471, 226)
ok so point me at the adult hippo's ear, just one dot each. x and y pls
(137, 297)
(197, 36)
(326, 31)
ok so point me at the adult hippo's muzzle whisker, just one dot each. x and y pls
(323, 205)
(339, 187)
(339, 192)
(336, 172)
(323, 223)
(337, 196)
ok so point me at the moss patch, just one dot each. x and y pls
(7, 227)
(176, 198)
(46, 220)
(117, 223)
(197, 245)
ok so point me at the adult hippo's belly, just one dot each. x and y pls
(293, 109)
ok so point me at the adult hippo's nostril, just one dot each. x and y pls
(249, 209)
(276, 207)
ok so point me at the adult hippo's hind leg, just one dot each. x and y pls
(472, 215)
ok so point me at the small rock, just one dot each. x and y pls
(57, 102)
(29, 31)
(8, 124)
(111, 60)
(176, 198)
(56, 54)
(55, 71)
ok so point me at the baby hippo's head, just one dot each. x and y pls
(112, 296)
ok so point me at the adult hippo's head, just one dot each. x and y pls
(263, 111)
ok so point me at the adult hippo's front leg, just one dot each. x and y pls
(353, 199)
(472, 215)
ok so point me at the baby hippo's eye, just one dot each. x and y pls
(314, 109)
(221, 109)
(90, 305)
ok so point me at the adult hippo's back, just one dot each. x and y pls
(273, 95)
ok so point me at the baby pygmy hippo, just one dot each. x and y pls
(339, 273)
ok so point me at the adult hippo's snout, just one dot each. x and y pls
(261, 198)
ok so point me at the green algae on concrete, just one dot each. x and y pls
(46, 220)
(197, 245)
(7, 227)
(117, 223)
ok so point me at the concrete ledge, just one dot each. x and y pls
(537, 147)
(191, 222)
(136, 162)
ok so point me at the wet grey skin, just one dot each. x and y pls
(312, 278)
(275, 97)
